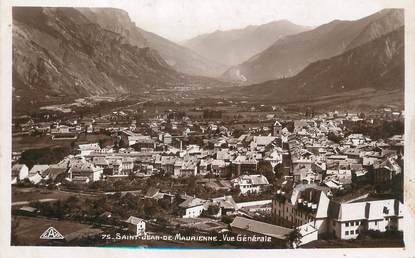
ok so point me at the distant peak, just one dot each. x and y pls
(391, 10)
(284, 21)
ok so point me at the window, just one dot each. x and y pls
(351, 232)
(347, 224)
(347, 233)
(376, 223)
(352, 223)
(357, 231)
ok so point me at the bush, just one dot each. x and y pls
(212, 210)
(226, 219)
(334, 137)
(24, 183)
(376, 234)
(44, 156)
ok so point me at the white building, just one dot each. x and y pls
(192, 207)
(250, 183)
(136, 225)
(81, 171)
(38, 169)
(87, 149)
(308, 233)
(305, 204)
(309, 204)
(348, 220)
(185, 168)
(260, 142)
(167, 138)
(19, 172)
(35, 179)
(275, 157)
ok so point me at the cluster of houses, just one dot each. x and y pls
(309, 206)
(315, 158)
(321, 166)
(318, 166)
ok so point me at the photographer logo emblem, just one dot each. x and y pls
(51, 233)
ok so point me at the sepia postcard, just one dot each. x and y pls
(227, 128)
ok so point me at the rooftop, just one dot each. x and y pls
(261, 228)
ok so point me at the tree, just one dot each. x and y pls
(334, 137)
(191, 185)
(43, 156)
(265, 168)
(294, 238)
(278, 170)
(237, 133)
(120, 185)
(101, 143)
(235, 191)
(131, 176)
(211, 210)
(226, 219)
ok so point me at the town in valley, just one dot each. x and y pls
(267, 136)
(300, 177)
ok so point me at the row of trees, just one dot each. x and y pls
(92, 210)
(44, 156)
(380, 129)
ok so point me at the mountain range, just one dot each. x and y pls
(61, 53)
(232, 47)
(291, 54)
(180, 58)
(376, 66)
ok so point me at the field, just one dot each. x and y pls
(22, 143)
(355, 100)
(29, 229)
(32, 194)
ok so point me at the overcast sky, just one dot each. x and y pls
(183, 19)
(178, 20)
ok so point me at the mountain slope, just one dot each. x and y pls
(377, 65)
(288, 56)
(180, 58)
(58, 53)
(232, 47)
